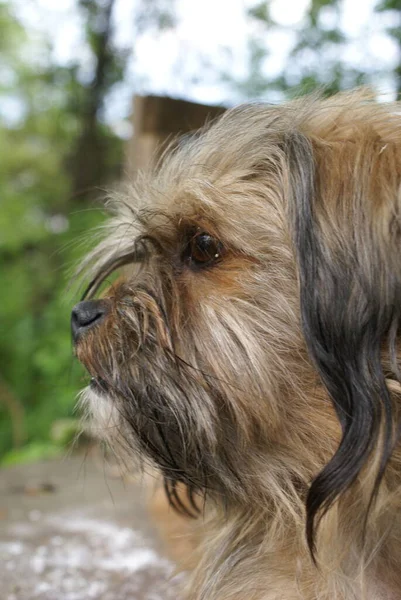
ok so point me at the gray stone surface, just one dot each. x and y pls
(68, 532)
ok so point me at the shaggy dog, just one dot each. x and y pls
(250, 348)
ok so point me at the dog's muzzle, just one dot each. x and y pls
(86, 315)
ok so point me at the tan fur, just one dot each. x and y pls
(237, 325)
(181, 535)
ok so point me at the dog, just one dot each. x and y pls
(250, 348)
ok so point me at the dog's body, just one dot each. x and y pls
(251, 350)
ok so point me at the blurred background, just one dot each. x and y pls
(69, 71)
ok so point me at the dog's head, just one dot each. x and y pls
(245, 348)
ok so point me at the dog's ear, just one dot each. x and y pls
(346, 233)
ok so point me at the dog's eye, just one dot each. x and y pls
(203, 250)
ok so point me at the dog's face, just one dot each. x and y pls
(194, 345)
(249, 297)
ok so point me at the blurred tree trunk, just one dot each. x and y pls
(88, 162)
(16, 412)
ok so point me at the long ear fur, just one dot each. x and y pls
(346, 229)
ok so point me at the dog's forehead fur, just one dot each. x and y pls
(238, 164)
(271, 379)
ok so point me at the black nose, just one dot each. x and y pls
(85, 315)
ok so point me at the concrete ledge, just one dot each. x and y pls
(67, 532)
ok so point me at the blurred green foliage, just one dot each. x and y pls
(50, 131)
(318, 57)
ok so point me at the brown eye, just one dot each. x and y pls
(203, 250)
